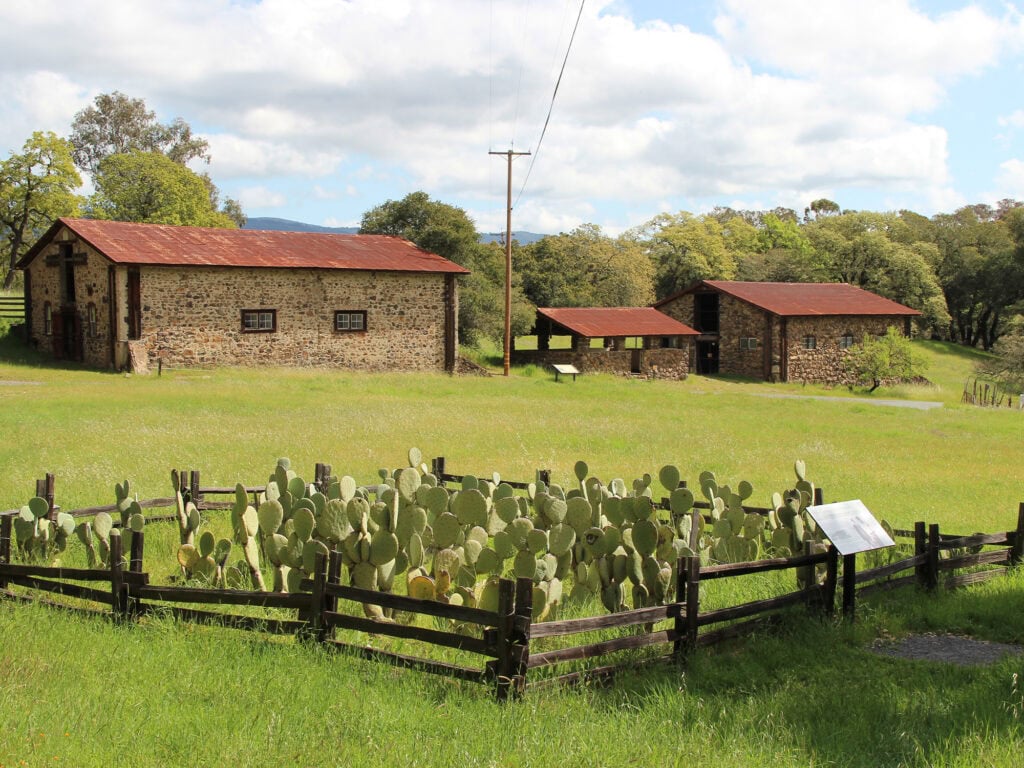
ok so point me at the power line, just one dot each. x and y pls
(551, 107)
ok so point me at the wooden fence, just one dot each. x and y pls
(12, 308)
(512, 644)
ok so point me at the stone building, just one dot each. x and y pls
(782, 331)
(131, 296)
(632, 340)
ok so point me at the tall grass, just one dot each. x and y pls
(88, 692)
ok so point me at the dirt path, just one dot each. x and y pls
(919, 405)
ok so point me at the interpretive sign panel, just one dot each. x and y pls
(850, 527)
(566, 369)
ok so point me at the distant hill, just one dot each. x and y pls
(287, 225)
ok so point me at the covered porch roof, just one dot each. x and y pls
(611, 322)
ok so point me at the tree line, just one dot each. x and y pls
(137, 166)
(964, 271)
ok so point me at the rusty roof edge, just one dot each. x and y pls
(450, 267)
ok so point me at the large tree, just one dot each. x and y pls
(685, 248)
(981, 270)
(879, 252)
(116, 124)
(36, 187)
(586, 268)
(447, 231)
(150, 187)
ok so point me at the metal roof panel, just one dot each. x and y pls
(159, 244)
(594, 322)
(805, 299)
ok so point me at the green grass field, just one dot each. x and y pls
(78, 691)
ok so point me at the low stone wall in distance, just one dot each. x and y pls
(653, 363)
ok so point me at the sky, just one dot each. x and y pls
(318, 110)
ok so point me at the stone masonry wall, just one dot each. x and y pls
(738, 319)
(824, 363)
(193, 316)
(90, 289)
(661, 363)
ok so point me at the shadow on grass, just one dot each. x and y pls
(14, 350)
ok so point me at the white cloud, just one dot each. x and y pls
(238, 156)
(1013, 120)
(260, 197)
(781, 101)
(1010, 180)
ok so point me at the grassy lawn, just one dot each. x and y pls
(78, 691)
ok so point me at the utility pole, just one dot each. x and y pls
(508, 260)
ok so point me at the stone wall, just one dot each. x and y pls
(662, 363)
(780, 341)
(824, 363)
(90, 291)
(193, 316)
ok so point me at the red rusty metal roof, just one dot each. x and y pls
(594, 322)
(804, 299)
(160, 244)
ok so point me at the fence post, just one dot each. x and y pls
(45, 490)
(193, 484)
(506, 611)
(828, 593)
(437, 469)
(333, 577)
(135, 566)
(1017, 550)
(692, 600)
(920, 548)
(318, 599)
(679, 623)
(5, 545)
(119, 601)
(933, 555)
(519, 640)
(850, 586)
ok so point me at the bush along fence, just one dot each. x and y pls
(510, 624)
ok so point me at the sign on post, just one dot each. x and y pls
(850, 526)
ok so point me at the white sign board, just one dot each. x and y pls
(850, 527)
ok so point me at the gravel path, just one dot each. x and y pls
(950, 649)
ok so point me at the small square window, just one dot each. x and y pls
(810, 342)
(259, 320)
(347, 320)
(846, 341)
(748, 343)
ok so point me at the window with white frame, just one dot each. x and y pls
(846, 341)
(748, 343)
(259, 320)
(810, 342)
(348, 320)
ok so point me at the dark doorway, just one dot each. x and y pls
(71, 328)
(707, 357)
(705, 311)
(636, 362)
